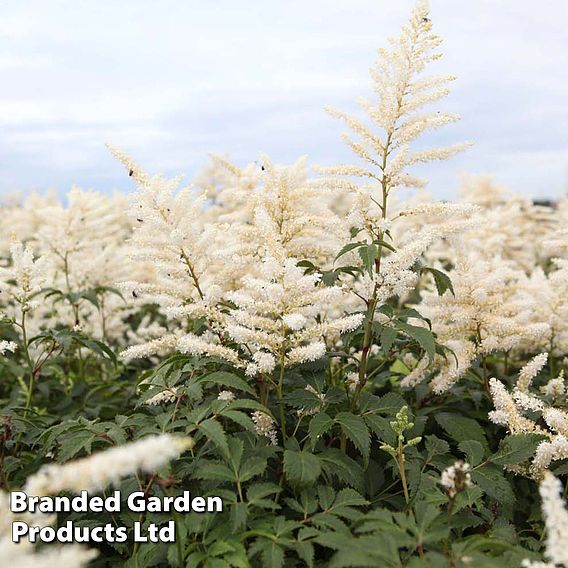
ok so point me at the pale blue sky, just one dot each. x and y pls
(169, 81)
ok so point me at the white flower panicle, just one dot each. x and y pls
(25, 276)
(481, 317)
(516, 411)
(7, 346)
(456, 478)
(555, 387)
(397, 112)
(164, 397)
(265, 426)
(530, 371)
(95, 472)
(556, 521)
(226, 395)
(281, 317)
(68, 556)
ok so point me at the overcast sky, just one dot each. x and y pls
(169, 81)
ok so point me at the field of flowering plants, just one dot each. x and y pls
(363, 381)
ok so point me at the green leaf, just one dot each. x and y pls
(441, 279)
(97, 347)
(354, 427)
(272, 555)
(239, 514)
(329, 278)
(228, 380)
(309, 266)
(214, 470)
(491, 479)
(319, 425)
(435, 446)
(423, 336)
(349, 247)
(214, 432)
(386, 338)
(73, 443)
(516, 448)
(381, 243)
(461, 428)
(301, 468)
(257, 494)
(335, 463)
(368, 254)
(252, 467)
(240, 418)
(390, 404)
(381, 427)
(473, 450)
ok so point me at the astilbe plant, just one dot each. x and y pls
(365, 381)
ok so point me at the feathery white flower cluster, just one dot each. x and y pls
(456, 478)
(402, 92)
(556, 521)
(163, 397)
(511, 409)
(280, 318)
(265, 426)
(95, 472)
(79, 256)
(7, 346)
(227, 396)
(24, 277)
(482, 316)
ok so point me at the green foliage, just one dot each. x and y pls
(354, 476)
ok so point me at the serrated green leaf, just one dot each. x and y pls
(423, 336)
(354, 427)
(386, 338)
(214, 432)
(491, 479)
(441, 279)
(319, 425)
(349, 247)
(368, 254)
(516, 449)
(301, 468)
(461, 428)
(229, 380)
(473, 450)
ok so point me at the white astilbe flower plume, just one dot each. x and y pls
(25, 276)
(482, 317)
(7, 346)
(516, 411)
(544, 295)
(530, 371)
(24, 554)
(397, 111)
(68, 556)
(556, 521)
(164, 397)
(281, 316)
(95, 472)
(265, 426)
(170, 236)
(80, 245)
(456, 478)
(296, 213)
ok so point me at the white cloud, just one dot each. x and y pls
(172, 80)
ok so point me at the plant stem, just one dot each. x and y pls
(402, 471)
(372, 303)
(280, 393)
(29, 362)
